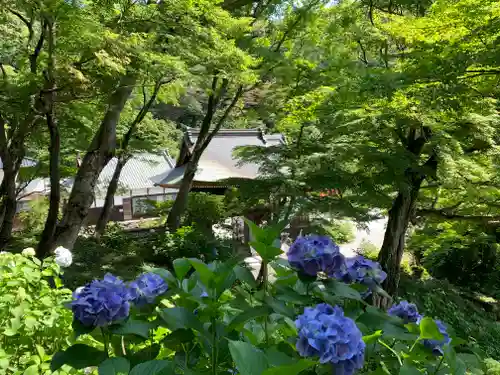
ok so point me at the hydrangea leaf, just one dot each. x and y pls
(368, 339)
(181, 267)
(132, 327)
(80, 329)
(245, 275)
(342, 290)
(429, 330)
(78, 356)
(205, 274)
(114, 366)
(245, 316)
(153, 367)
(146, 354)
(408, 369)
(249, 359)
(267, 252)
(294, 369)
(179, 317)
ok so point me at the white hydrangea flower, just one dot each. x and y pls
(63, 257)
(28, 252)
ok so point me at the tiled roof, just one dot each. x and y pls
(27, 162)
(142, 171)
(218, 161)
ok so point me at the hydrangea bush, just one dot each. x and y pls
(34, 323)
(310, 315)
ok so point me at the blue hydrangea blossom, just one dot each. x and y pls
(436, 346)
(147, 287)
(406, 311)
(312, 254)
(102, 302)
(363, 271)
(325, 332)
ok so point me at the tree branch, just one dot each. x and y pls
(363, 52)
(38, 48)
(143, 112)
(28, 24)
(444, 214)
(223, 118)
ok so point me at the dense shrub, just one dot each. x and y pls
(445, 301)
(464, 253)
(190, 242)
(33, 220)
(34, 323)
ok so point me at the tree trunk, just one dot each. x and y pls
(392, 249)
(47, 237)
(181, 201)
(122, 160)
(9, 202)
(110, 197)
(98, 155)
(46, 240)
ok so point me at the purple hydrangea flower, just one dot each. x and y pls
(437, 345)
(364, 271)
(406, 311)
(350, 366)
(312, 254)
(147, 287)
(324, 331)
(102, 302)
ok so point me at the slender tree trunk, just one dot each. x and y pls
(181, 201)
(123, 158)
(9, 202)
(98, 155)
(392, 249)
(2, 206)
(109, 201)
(202, 142)
(47, 238)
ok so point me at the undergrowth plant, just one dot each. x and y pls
(309, 315)
(34, 323)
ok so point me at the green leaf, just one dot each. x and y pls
(143, 355)
(255, 231)
(32, 370)
(245, 275)
(175, 340)
(79, 329)
(205, 274)
(342, 290)
(279, 307)
(408, 369)
(369, 339)
(245, 316)
(153, 367)
(132, 327)
(179, 317)
(248, 359)
(456, 365)
(114, 366)
(77, 356)
(294, 369)
(267, 252)
(181, 267)
(429, 329)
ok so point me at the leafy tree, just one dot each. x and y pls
(260, 47)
